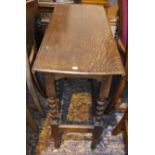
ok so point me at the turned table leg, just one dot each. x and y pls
(51, 94)
(103, 95)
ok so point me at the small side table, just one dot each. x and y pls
(78, 43)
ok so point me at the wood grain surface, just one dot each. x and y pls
(79, 41)
(101, 2)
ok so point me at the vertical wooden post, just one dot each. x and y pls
(119, 90)
(31, 87)
(103, 95)
(120, 126)
(51, 94)
(30, 120)
(123, 126)
(126, 134)
(113, 102)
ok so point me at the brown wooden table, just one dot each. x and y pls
(78, 43)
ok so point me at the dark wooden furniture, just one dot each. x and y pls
(122, 43)
(31, 120)
(78, 43)
(122, 126)
(115, 102)
(46, 8)
(31, 81)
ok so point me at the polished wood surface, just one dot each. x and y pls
(79, 41)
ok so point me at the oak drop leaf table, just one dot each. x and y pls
(78, 43)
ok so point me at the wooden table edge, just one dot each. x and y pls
(78, 72)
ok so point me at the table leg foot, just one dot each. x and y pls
(96, 136)
(93, 145)
(55, 134)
